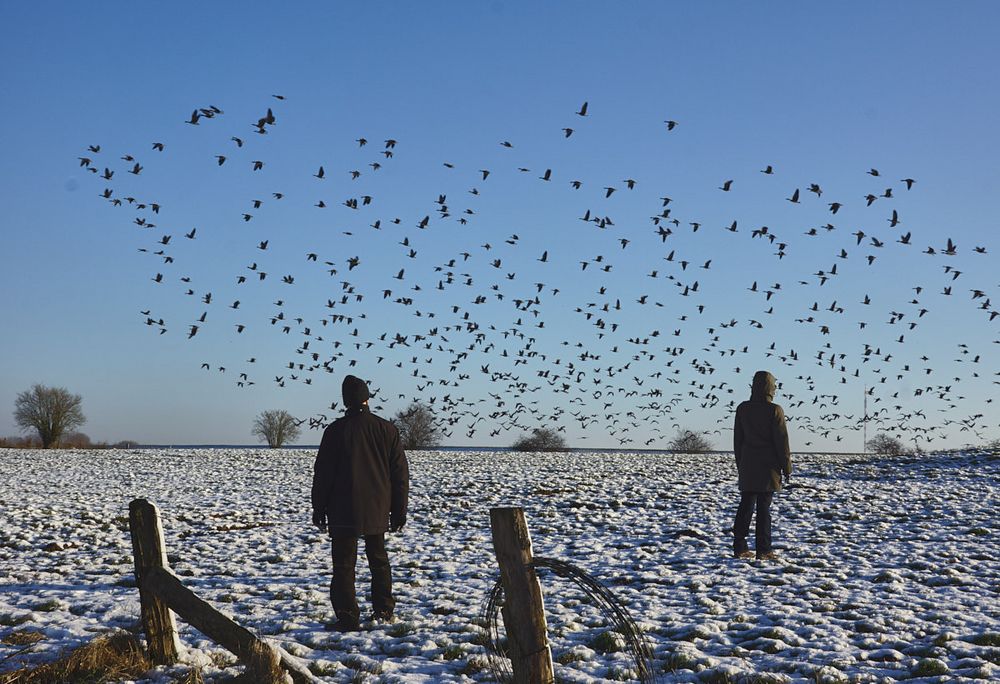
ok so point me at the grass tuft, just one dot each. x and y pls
(930, 667)
(193, 676)
(986, 639)
(108, 658)
(608, 642)
(23, 637)
(262, 666)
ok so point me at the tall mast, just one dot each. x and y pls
(864, 421)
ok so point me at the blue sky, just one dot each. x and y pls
(823, 93)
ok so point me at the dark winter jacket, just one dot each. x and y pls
(760, 438)
(361, 476)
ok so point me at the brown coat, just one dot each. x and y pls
(760, 438)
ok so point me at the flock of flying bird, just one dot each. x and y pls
(489, 339)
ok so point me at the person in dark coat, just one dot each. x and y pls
(360, 488)
(760, 440)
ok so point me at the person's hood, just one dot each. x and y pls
(763, 386)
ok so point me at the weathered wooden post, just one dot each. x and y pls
(523, 612)
(150, 552)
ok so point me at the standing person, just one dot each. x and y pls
(760, 441)
(360, 487)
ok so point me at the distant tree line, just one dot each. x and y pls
(74, 440)
(50, 417)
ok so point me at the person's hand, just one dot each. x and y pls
(396, 522)
(319, 520)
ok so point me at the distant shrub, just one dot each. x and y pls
(76, 440)
(689, 442)
(885, 445)
(19, 442)
(540, 439)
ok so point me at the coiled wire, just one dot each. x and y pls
(599, 595)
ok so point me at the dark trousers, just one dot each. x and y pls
(762, 530)
(345, 558)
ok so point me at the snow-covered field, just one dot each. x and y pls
(889, 570)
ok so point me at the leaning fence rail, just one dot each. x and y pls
(161, 594)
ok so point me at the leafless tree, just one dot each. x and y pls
(417, 427)
(51, 411)
(276, 427)
(690, 442)
(540, 439)
(885, 445)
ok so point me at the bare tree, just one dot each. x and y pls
(690, 442)
(884, 445)
(276, 427)
(540, 439)
(417, 427)
(52, 411)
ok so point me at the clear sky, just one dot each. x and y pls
(613, 353)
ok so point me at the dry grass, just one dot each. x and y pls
(23, 637)
(192, 677)
(109, 658)
(262, 667)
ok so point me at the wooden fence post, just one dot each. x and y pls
(150, 552)
(523, 613)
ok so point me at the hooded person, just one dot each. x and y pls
(760, 441)
(360, 488)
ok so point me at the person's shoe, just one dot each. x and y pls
(383, 617)
(767, 556)
(342, 626)
(744, 554)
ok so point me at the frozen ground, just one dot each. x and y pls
(890, 568)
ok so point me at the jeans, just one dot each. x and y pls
(762, 530)
(345, 558)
